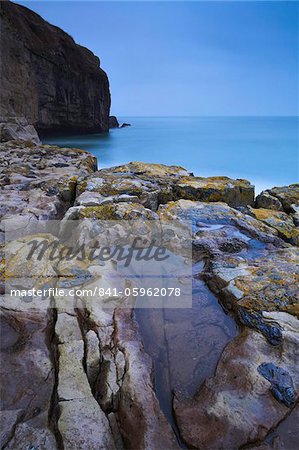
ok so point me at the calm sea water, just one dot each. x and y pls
(261, 149)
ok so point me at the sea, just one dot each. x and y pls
(264, 150)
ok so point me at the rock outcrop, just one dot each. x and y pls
(85, 378)
(18, 129)
(113, 122)
(279, 208)
(153, 184)
(214, 418)
(281, 221)
(39, 182)
(279, 198)
(47, 80)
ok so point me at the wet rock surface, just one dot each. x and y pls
(281, 383)
(185, 343)
(27, 379)
(284, 437)
(214, 418)
(88, 376)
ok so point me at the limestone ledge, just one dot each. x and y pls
(282, 222)
(39, 181)
(154, 184)
(87, 380)
(280, 198)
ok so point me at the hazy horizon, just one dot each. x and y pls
(189, 59)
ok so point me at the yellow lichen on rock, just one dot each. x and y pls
(280, 221)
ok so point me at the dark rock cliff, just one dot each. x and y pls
(47, 79)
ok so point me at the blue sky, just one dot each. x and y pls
(189, 58)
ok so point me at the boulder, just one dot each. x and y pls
(218, 221)
(267, 201)
(113, 122)
(265, 282)
(216, 189)
(13, 130)
(111, 185)
(117, 211)
(295, 214)
(279, 198)
(279, 220)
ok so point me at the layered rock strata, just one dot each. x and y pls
(86, 380)
(47, 80)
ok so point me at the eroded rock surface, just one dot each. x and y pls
(282, 222)
(46, 78)
(279, 198)
(18, 129)
(216, 189)
(153, 184)
(254, 273)
(86, 380)
(40, 181)
(27, 379)
(82, 423)
(215, 417)
(113, 122)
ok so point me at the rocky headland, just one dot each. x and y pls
(220, 375)
(80, 378)
(48, 82)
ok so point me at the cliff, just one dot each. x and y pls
(47, 79)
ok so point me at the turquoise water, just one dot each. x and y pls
(261, 149)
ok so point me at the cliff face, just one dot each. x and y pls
(47, 79)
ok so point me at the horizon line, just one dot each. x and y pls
(205, 115)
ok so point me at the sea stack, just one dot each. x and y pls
(48, 81)
(113, 122)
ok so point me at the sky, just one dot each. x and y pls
(189, 58)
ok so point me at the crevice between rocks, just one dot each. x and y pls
(52, 343)
(12, 433)
(111, 412)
